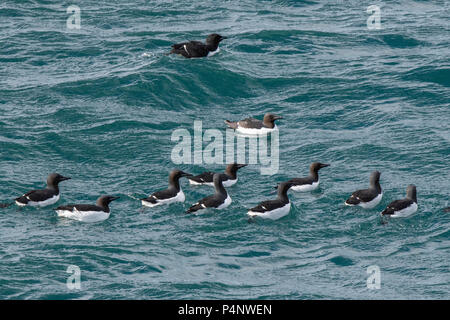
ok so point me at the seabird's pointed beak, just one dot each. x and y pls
(113, 198)
(241, 165)
(323, 165)
(277, 117)
(185, 174)
(65, 178)
(223, 37)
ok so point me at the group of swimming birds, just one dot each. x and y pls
(271, 209)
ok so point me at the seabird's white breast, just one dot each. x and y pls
(306, 187)
(179, 197)
(44, 203)
(225, 204)
(85, 216)
(405, 212)
(253, 131)
(273, 214)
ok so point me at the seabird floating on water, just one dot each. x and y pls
(43, 197)
(197, 49)
(172, 194)
(219, 200)
(403, 207)
(367, 198)
(229, 179)
(87, 212)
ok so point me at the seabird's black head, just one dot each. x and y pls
(176, 174)
(218, 179)
(104, 201)
(411, 192)
(375, 177)
(283, 188)
(54, 179)
(233, 168)
(214, 39)
(316, 166)
(269, 119)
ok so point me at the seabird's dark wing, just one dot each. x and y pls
(251, 123)
(302, 181)
(191, 49)
(359, 196)
(205, 177)
(397, 205)
(36, 196)
(268, 206)
(212, 201)
(161, 195)
(80, 207)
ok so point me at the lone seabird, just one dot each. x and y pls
(254, 126)
(87, 212)
(403, 207)
(197, 49)
(43, 197)
(367, 198)
(171, 194)
(274, 209)
(219, 200)
(207, 177)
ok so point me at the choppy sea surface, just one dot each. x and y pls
(100, 103)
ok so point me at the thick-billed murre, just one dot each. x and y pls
(170, 195)
(403, 207)
(367, 198)
(197, 49)
(274, 209)
(43, 197)
(219, 200)
(253, 126)
(312, 181)
(87, 212)
(228, 180)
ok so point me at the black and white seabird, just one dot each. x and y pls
(207, 177)
(367, 198)
(87, 212)
(197, 49)
(254, 126)
(403, 207)
(43, 197)
(172, 194)
(312, 181)
(274, 209)
(219, 200)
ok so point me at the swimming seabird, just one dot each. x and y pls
(403, 207)
(312, 181)
(87, 212)
(207, 177)
(274, 209)
(219, 200)
(197, 49)
(43, 197)
(367, 198)
(254, 126)
(172, 194)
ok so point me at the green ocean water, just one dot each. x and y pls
(100, 104)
